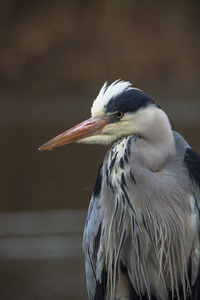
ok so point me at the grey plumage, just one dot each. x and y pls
(149, 224)
(141, 237)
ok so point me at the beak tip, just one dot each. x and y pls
(44, 147)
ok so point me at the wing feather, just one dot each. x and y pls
(92, 245)
(192, 161)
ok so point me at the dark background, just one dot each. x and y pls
(54, 58)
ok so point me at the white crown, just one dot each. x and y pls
(107, 93)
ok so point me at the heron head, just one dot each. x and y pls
(118, 111)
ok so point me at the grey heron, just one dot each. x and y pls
(142, 233)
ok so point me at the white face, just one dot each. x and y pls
(139, 123)
(116, 130)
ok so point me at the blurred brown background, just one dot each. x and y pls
(54, 58)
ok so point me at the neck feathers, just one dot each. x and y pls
(157, 142)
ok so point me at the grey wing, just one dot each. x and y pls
(93, 246)
(192, 161)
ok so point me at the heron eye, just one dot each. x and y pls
(119, 115)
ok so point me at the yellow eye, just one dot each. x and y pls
(119, 115)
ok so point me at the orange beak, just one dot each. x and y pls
(90, 127)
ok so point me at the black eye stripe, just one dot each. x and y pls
(129, 101)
